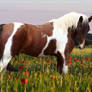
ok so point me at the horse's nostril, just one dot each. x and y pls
(79, 47)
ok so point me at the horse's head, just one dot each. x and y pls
(82, 30)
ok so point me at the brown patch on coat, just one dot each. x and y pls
(5, 33)
(50, 50)
(71, 41)
(18, 40)
(29, 39)
(46, 28)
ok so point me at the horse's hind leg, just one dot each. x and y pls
(11, 68)
(4, 62)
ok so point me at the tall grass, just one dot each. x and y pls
(40, 74)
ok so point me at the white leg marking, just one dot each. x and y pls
(7, 51)
(65, 68)
(4, 62)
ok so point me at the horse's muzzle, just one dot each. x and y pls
(81, 47)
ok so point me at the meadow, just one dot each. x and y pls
(40, 74)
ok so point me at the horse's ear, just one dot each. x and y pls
(80, 19)
(89, 19)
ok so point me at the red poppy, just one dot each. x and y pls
(81, 65)
(78, 59)
(69, 61)
(21, 67)
(81, 61)
(91, 69)
(48, 61)
(69, 57)
(87, 58)
(86, 67)
(24, 61)
(27, 72)
(24, 81)
(75, 59)
(55, 64)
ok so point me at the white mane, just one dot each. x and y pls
(69, 20)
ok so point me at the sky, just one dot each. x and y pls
(40, 11)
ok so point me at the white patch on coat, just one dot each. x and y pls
(7, 51)
(61, 40)
(69, 20)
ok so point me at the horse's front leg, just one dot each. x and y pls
(61, 64)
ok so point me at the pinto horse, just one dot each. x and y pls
(55, 38)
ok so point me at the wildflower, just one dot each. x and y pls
(81, 61)
(21, 67)
(48, 61)
(24, 61)
(86, 67)
(78, 59)
(27, 72)
(24, 81)
(91, 69)
(69, 57)
(69, 61)
(87, 58)
(82, 65)
(55, 64)
(75, 59)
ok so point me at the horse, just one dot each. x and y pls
(55, 38)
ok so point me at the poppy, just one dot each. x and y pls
(69, 57)
(48, 61)
(27, 72)
(24, 81)
(55, 64)
(75, 59)
(87, 58)
(91, 69)
(69, 61)
(21, 67)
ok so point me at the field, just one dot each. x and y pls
(40, 74)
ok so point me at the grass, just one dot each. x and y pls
(83, 52)
(40, 74)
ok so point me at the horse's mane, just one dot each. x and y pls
(69, 20)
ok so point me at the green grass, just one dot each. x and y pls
(41, 74)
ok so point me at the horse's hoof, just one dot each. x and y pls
(11, 68)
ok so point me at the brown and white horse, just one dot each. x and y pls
(55, 38)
